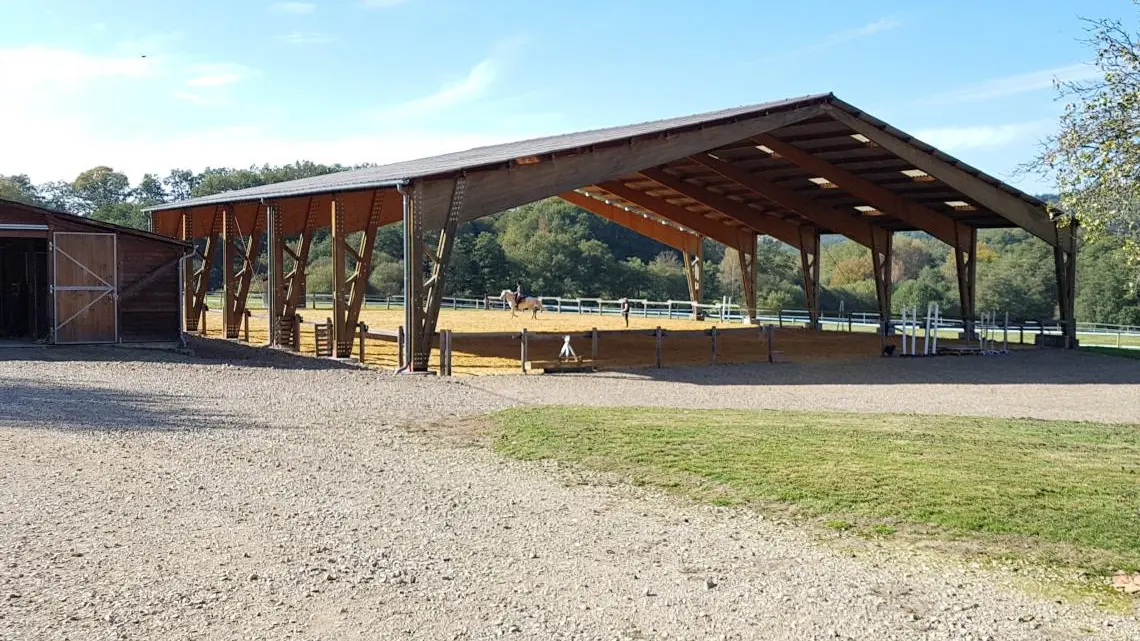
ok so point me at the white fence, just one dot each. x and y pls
(1099, 334)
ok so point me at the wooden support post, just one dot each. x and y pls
(296, 332)
(201, 276)
(881, 267)
(295, 277)
(248, 252)
(202, 325)
(189, 310)
(341, 338)
(657, 347)
(523, 351)
(1065, 263)
(276, 276)
(245, 324)
(358, 282)
(694, 275)
(712, 332)
(965, 251)
(424, 297)
(594, 344)
(809, 266)
(747, 257)
(230, 235)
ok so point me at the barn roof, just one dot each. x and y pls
(760, 166)
(35, 210)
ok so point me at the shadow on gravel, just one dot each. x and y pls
(1027, 367)
(200, 350)
(34, 405)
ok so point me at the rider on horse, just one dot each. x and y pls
(518, 294)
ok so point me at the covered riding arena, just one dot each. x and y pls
(793, 170)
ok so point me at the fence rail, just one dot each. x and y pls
(1100, 334)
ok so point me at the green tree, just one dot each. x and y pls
(929, 287)
(99, 187)
(20, 189)
(1095, 155)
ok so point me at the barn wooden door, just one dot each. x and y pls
(85, 290)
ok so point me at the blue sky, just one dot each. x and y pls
(245, 82)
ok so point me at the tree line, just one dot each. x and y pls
(556, 249)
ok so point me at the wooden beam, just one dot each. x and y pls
(202, 274)
(881, 263)
(276, 275)
(850, 226)
(230, 234)
(295, 279)
(809, 264)
(747, 257)
(729, 236)
(738, 211)
(358, 284)
(694, 276)
(186, 233)
(249, 257)
(341, 342)
(678, 239)
(920, 217)
(436, 282)
(965, 263)
(1029, 217)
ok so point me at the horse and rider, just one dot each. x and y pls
(519, 302)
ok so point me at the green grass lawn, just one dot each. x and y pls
(1054, 492)
(1111, 351)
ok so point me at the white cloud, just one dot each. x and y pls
(381, 4)
(295, 8)
(870, 29)
(1015, 85)
(481, 76)
(982, 136)
(298, 38)
(217, 75)
(28, 67)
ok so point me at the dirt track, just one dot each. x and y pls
(188, 499)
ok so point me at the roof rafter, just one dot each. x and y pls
(734, 237)
(1016, 210)
(682, 241)
(850, 226)
(936, 224)
(740, 212)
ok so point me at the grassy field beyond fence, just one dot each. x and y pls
(1055, 492)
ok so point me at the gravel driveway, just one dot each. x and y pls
(183, 499)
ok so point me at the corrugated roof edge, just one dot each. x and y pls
(95, 223)
(937, 153)
(300, 187)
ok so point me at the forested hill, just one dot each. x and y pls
(554, 248)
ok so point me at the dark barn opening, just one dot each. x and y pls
(24, 294)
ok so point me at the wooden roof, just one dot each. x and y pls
(14, 211)
(770, 167)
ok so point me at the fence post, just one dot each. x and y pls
(1118, 338)
(768, 331)
(400, 343)
(297, 332)
(202, 324)
(780, 316)
(245, 323)
(363, 329)
(849, 322)
(713, 332)
(523, 351)
(657, 340)
(594, 344)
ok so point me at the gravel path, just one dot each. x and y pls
(297, 509)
